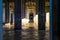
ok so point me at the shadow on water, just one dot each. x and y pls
(17, 35)
(8, 35)
(42, 35)
(28, 34)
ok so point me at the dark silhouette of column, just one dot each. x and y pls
(54, 19)
(31, 18)
(17, 14)
(6, 12)
(31, 21)
(41, 15)
(1, 21)
(11, 18)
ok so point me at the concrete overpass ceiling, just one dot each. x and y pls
(22, 0)
(12, 4)
(47, 0)
(8, 0)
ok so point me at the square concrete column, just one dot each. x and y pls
(17, 14)
(1, 21)
(41, 15)
(55, 28)
(11, 19)
(6, 12)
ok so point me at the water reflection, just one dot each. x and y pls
(8, 35)
(28, 34)
(42, 35)
(17, 35)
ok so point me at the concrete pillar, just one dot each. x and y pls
(54, 20)
(11, 18)
(1, 20)
(7, 12)
(31, 21)
(17, 14)
(41, 15)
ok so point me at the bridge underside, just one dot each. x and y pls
(19, 8)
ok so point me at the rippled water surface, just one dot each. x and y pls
(29, 34)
